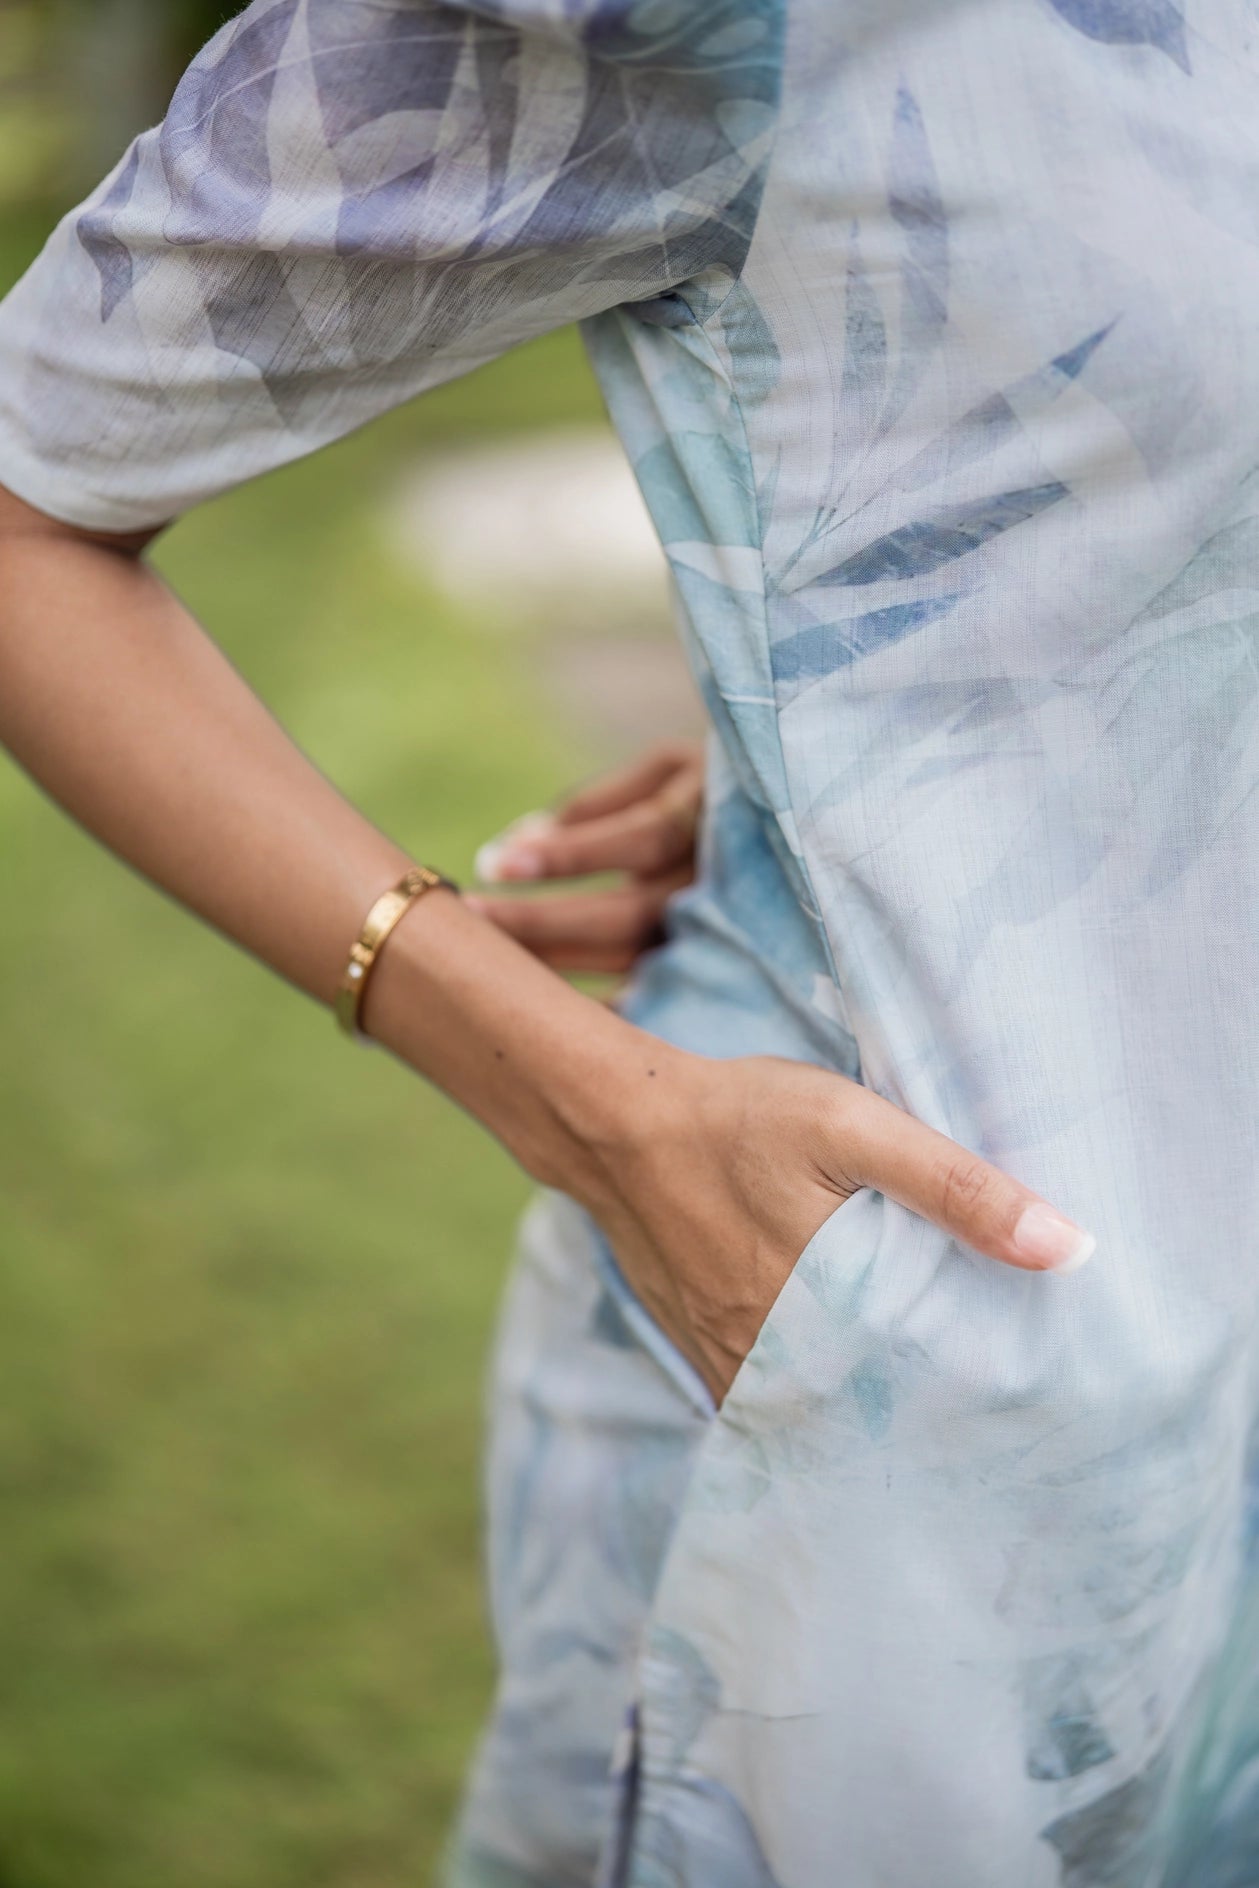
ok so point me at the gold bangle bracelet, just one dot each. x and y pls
(379, 922)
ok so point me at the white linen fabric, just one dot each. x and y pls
(930, 329)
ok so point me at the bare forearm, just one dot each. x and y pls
(709, 1177)
(131, 718)
(127, 714)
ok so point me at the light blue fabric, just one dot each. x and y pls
(930, 328)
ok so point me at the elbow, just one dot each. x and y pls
(21, 520)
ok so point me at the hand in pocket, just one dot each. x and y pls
(732, 1166)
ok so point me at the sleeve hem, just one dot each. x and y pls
(50, 491)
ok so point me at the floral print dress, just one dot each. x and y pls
(931, 328)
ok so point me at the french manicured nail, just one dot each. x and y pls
(521, 862)
(509, 855)
(1054, 1243)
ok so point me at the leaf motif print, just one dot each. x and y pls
(1202, 785)
(914, 550)
(709, 1838)
(113, 260)
(691, 1688)
(1115, 1838)
(1227, 563)
(865, 340)
(982, 429)
(1068, 1735)
(1130, 23)
(823, 648)
(917, 208)
(350, 194)
(864, 381)
(992, 422)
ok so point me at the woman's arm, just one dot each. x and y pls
(708, 1176)
(126, 712)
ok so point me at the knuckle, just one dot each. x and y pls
(522, 921)
(966, 1186)
(660, 847)
(643, 909)
(838, 1150)
(844, 1102)
(670, 832)
(648, 931)
(641, 840)
(563, 857)
(624, 933)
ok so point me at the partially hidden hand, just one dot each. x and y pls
(711, 1176)
(639, 822)
(726, 1169)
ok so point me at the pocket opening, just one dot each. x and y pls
(661, 1347)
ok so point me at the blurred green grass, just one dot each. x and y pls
(249, 1272)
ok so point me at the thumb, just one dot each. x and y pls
(887, 1149)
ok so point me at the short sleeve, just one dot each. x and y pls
(350, 201)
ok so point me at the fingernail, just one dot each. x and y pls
(521, 862)
(1052, 1241)
(472, 903)
(504, 856)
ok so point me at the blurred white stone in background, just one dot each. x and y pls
(549, 535)
(516, 523)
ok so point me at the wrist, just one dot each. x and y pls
(612, 1097)
(568, 1086)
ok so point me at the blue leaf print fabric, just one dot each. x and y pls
(915, 548)
(928, 327)
(349, 202)
(1131, 22)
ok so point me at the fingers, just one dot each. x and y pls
(651, 837)
(595, 931)
(641, 819)
(879, 1145)
(637, 781)
(503, 856)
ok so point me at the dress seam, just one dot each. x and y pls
(813, 910)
